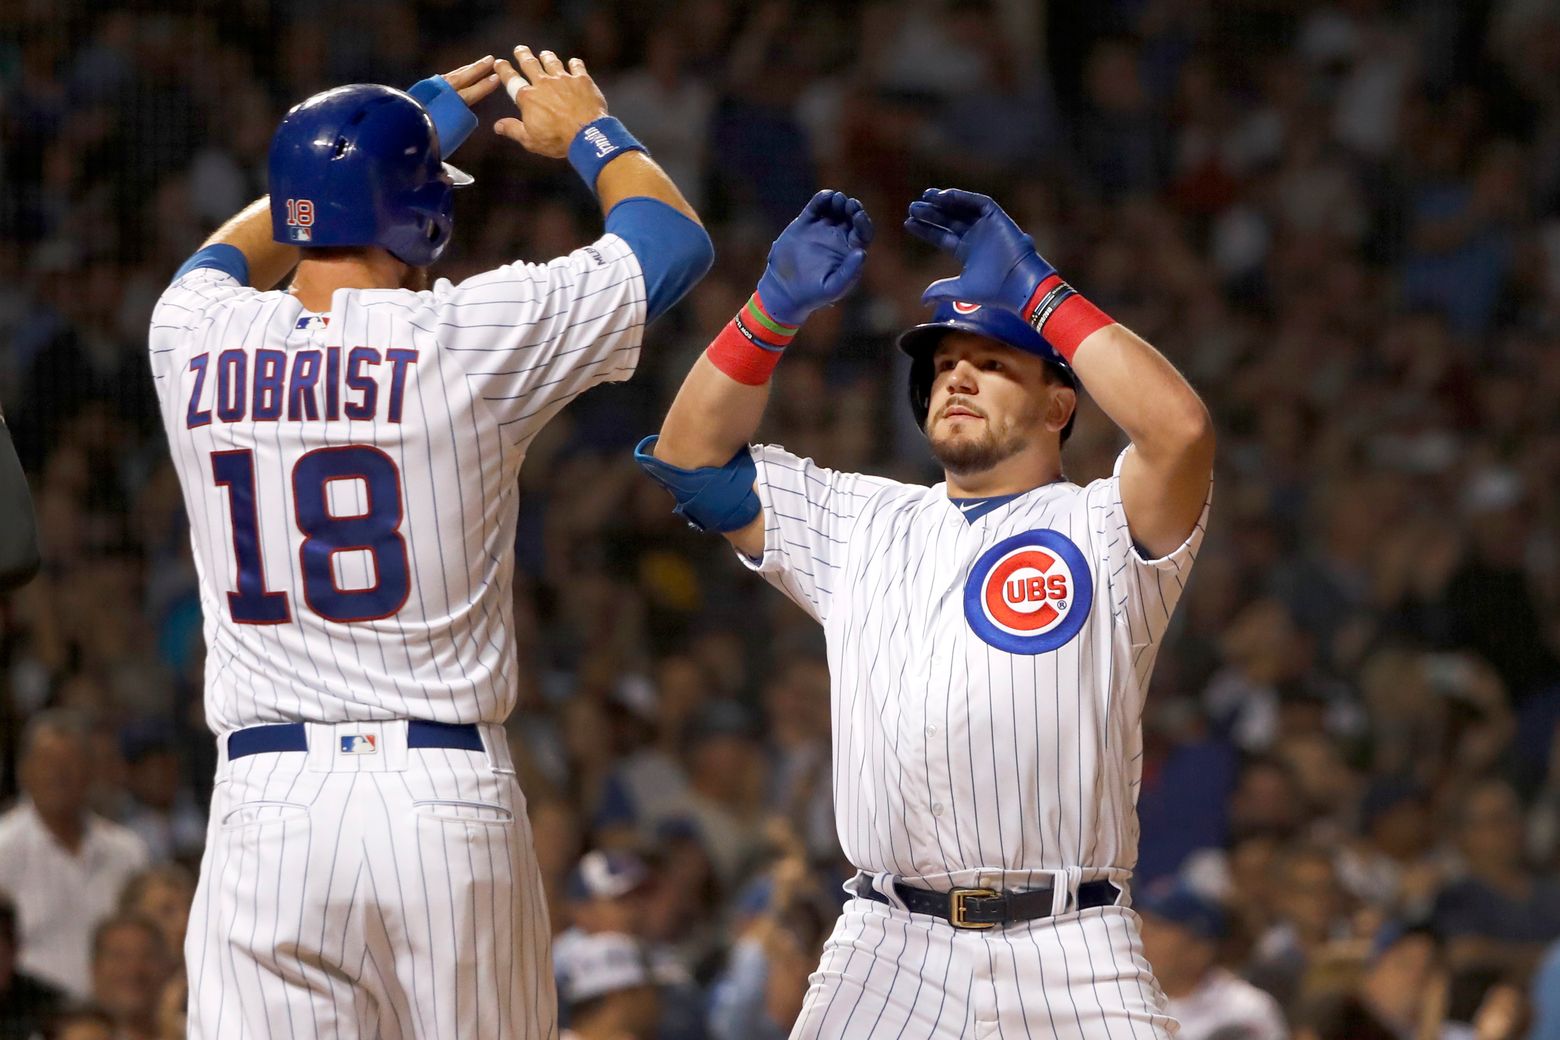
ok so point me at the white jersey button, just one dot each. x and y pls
(937, 808)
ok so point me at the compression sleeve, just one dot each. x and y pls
(673, 251)
(225, 258)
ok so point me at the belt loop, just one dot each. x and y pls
(1064, 885)
(495, 740)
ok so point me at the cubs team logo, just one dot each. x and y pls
(1030, 593)
(965, 308)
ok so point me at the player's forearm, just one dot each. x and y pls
(1141, 391)
(636, 175)
(250, 233)
(712, 417)
(644, 208)
(19, 557)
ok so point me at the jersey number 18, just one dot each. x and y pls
(376, 531)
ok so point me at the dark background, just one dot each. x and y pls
(1342, 221)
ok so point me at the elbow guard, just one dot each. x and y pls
(710, 498)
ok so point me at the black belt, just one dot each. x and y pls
(987, 907)
(294, 736)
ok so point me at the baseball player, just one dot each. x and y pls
(18, 529)
(348, 449)
(990, 638)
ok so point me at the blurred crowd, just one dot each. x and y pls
(1342, 220)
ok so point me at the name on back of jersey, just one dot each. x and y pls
(313, 385)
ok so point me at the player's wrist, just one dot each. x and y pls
(452, 118)
(779, 303)
(597, 143)
(1061, 314)
(752, 343)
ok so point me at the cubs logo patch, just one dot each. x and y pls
(1030, 593)
(965, 308)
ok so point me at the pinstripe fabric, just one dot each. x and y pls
(961, 760)
(887, 974)
(338, 901)
(496, 357)
(341, 901)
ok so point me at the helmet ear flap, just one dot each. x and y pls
(920, 388)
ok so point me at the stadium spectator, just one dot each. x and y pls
(162, 895)
(129, 970)
(62, 865)
(606, 990)
(1183, 933)
(25, 1002)
(1501, 912)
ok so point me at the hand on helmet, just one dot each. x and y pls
(1001, 267)
(817, 258)
(555, 102)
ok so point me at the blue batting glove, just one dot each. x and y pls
(817, 258)
(1001, 267)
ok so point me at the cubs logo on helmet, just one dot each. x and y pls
(965, 308)
(1030, 593)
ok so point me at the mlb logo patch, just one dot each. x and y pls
(359, 744)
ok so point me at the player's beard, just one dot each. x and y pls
(964, 454)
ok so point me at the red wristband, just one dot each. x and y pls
(749, 350)
(1061, 314)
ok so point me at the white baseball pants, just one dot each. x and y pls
(887, 973)
(370, 895)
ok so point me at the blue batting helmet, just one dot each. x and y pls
(360, 166)
(995, 323)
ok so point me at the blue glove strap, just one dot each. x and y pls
(711, 498)
(778, 302)
(451, 118)
(1022, 280)
(597, 144)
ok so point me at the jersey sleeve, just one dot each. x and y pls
(187, 304)
(532, 337)
(809, 513)
(1143, 591)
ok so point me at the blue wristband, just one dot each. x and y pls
(451, 118)
(597, 144)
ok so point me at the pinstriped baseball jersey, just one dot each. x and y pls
(988, 673)
(350, 478)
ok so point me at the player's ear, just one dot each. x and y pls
(1061, 402)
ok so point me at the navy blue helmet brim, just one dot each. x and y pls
(919, 341)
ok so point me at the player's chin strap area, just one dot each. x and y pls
(710, 498)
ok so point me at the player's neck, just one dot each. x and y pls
(318, 277)
(1011, 476)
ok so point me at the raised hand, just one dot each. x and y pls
(475, 81)
(817, 258)
(555, 102)
(1001, 267)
